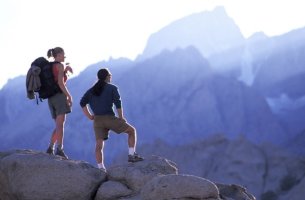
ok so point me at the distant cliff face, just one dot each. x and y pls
(176, 96)
(281, 68)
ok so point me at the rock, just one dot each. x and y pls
(31, 175)
(235, 192)
(112, 190)
(179, 187)
(135, 175)
(295, 193)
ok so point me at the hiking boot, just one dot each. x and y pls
(50, 151)
(60, 152)
(134, 158)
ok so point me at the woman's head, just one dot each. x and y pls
(57, 53)
(104, 75)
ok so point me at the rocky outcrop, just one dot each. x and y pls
(179, 187)
(32, 175)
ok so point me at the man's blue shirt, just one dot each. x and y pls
(103, 104)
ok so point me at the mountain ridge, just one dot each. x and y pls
(204, 27)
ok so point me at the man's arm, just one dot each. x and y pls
(120, 113)
(87, 113)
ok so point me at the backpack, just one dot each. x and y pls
(44, 84)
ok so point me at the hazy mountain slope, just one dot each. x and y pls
(203, 30)
(284, 61)
(209, 103)
(174, 96)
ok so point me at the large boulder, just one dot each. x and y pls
(30, 175)
(179, 187)
(112, 190)
(234, 191)
(135, 175)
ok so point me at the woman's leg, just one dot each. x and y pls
(53, 137)
(60, 122)
(50, 149)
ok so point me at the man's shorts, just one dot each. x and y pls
(58, 105)
(103, 123)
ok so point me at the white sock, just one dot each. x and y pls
(101, 166)
(131, 150)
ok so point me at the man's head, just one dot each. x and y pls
(104, 75)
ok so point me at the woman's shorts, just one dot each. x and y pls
(103, 123)
(58, 105)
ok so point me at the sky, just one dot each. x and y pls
(94, 30)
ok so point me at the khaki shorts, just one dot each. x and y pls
(103, 123)
(58, 105)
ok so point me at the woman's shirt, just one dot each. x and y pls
(56, 71)
(103, 104)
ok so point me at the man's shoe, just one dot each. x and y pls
(50, 151)
(60, 152)
(103, 170)
(134, 158)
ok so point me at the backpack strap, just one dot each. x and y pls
(37, 98)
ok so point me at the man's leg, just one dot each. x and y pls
(99, 154)
(132, 141)
(132, 138)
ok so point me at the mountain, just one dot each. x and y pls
(178, 99)
(282, 70)
(204, 30)
(174, 96)
(179, 93)
(210, 103)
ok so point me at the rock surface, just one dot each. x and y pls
(31, 175)
(179, 187)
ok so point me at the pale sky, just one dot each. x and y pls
(94, 30)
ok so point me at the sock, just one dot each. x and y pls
(101, 166)
(131, 150)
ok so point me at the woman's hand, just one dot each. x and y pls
(68, 68)
(69, 100)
